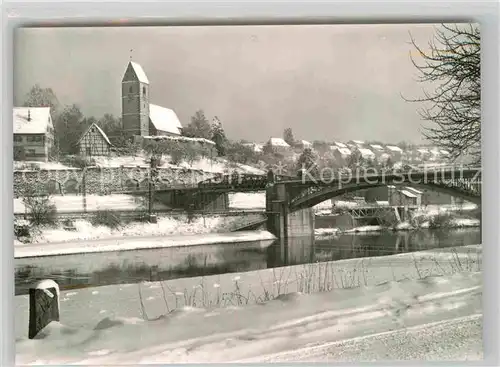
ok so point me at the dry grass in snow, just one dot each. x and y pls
(215, 319)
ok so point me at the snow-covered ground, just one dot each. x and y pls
(108, 325)
(454, 223)
(139, 243)
(74, 203)
(27, 165)
(215, 165)
(165, 226)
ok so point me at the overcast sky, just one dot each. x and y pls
(326, 82)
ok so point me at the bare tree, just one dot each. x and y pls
(452, 66)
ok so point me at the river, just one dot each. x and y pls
(104, 268)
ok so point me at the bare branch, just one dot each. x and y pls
(452, 66)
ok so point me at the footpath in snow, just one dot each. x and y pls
(253, 332)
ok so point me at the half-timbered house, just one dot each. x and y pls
(94, 143)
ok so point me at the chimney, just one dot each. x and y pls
(29, 115)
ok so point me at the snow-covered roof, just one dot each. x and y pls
(254, 146)
(377, 147)
(31, 120)
(385, 156)
(278, 142)
(366, 153)
(423, 151)
(164, 119)
(139, 71)
(344, 152)
(180, 138)
(415, 191)
(357, 142)
(305, 143)
(340, 145)
(394, 148)
(444, 152)
(408, 193)
(99, 130)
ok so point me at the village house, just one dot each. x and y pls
(141, 118)
(406, 196)
(341, 155)
(33, 133)
(339, 145)
(279, 145)
(378, 150)
(256, 147)
(303, 144)
(395, 152)
(355, 144)
(423, 154)
(94, 143)
(366, 154)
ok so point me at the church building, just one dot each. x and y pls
(139, 116)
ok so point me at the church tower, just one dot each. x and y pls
(135, 101)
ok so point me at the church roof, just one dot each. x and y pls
(164, 119)
(139, 71)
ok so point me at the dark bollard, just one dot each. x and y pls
(44, 306)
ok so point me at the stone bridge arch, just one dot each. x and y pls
(53, 187)
(71, 186)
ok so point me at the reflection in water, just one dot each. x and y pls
(92, 269)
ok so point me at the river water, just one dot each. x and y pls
(95, 269)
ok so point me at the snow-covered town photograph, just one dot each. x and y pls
(206, 194)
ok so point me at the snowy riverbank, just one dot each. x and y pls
(165, 226)
(405, 226)
(209, 319)
(264, 238)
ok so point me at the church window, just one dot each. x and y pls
(130, 89)
(144, 91)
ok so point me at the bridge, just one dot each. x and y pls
(289, 202)
(289, 199)
(308, 191)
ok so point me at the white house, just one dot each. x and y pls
(341, 155)
(256, 147)
(305, 144)
(339, 144)
(423, 154)
(366, 154)
(395, 152)
(356, 143)
(377, 149)
(33, 133)
(279, 145)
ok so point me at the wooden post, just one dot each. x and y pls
(44, 306)
(84, 189)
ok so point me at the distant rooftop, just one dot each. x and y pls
(278, 142)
